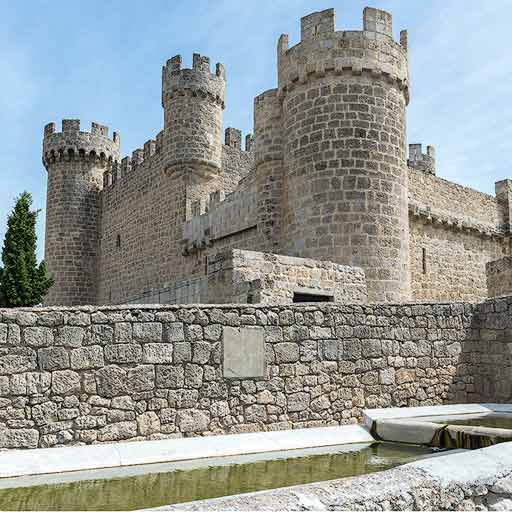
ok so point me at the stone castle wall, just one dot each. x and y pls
(99, 374)
(499, 277)
(326, 177)
(254, 277)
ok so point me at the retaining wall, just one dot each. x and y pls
(102, 374)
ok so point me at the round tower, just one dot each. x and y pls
(193, 102)
(268, 159)
(343, 98)
(75, 162)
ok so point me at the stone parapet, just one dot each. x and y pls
(72, 144)
(322, 50)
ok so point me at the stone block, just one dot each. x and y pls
(53, 358)
(286, 352)
(148, 423)
(123, 353)
(157, 353)
(192, 420)
(168, 376)
(141, 378)
(69, 336)
(65, 382)
(111, 381)
(118, 431)
(38, 336)
(86, 358)
(148, 332)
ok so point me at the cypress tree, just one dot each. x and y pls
(22, 281)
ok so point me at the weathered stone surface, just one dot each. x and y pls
(53, 358)
(86, 358)
(65, 382)
(168, 376)
(157, 353)
(148, 423)
(192, 420)
(111, 381)
(286, 352)
(376, 356)
(141, 378)
(118, 431)
(123, 353)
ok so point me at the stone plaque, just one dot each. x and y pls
(243, 352)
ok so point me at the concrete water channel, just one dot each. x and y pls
(138, 475)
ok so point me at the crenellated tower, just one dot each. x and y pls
(76, 162)
(193, 103)
(343, 97)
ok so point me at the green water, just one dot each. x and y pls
(178, 485)
(492, 421)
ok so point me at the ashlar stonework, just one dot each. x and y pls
(325, 177)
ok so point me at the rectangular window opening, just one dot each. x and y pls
(311, 297)
(424, 260)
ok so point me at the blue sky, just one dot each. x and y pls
(101, 61)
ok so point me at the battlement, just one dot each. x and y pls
(139, 157)
(197, 81)
(316, 23)
(324, 50)
(73, 144)
(420, 161)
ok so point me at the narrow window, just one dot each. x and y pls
(311, 297)
(206, 265)
(424, 260)
(118, 241)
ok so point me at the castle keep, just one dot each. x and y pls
(323, 203)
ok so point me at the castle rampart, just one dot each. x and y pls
(325, 178)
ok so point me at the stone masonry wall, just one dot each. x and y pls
(490, 353)
(105, 374)
(449, 264)
(499, 277)
(248, 276)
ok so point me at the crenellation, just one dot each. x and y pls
(233, 138)
(149, 149)
(327, 177)
(377, 20)
(425, 162)
(249, 141)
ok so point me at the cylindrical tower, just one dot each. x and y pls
(343, 99)
(268, 157)
(75, 162)
(193, 102)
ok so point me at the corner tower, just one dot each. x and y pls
(343, 98)
(75, 162)
(193, 103)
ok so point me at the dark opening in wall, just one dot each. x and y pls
(424, 260)
(118, 241)
(311, 297)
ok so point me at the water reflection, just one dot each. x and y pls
(178, 486)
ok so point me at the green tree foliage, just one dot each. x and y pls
(22, 281)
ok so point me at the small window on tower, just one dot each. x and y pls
(424, 260)
(118, 241)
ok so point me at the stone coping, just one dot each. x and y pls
(10, 312)
(418, 425)
(16, 463)
(396, 413)
(455, 481)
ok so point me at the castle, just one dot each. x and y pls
(323, 203)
